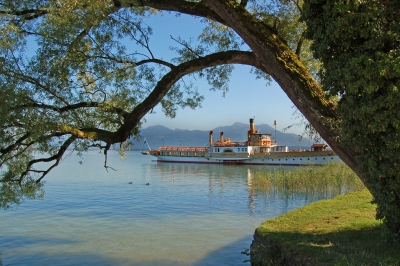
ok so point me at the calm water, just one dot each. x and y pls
(188, 214)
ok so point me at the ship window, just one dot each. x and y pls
(228, 150)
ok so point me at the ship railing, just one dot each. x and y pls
(229, 144)
(182, 148)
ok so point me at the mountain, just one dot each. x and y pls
(157, 136)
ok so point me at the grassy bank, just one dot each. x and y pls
(341, 231)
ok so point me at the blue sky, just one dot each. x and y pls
(247, 97)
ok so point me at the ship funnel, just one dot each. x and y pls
(211, 137)
(221, 136)
(251, 125)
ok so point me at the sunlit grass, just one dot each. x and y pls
(341, 231)
(309, 181)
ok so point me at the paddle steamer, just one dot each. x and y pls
(259, 149)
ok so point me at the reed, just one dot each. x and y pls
(308, 181)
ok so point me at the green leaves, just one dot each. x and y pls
(12, 193)
(358, 44)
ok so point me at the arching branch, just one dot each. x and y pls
(161, 89)
(199, 9)
(163, 86)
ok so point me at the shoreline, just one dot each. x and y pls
(339, 231)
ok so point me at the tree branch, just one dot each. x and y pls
(163, 86)
(161, 89)
(186, 46)
(57, 157)
(36, 82)
(72, 107)
(14, 145)
(28, 14)
(300, 43)
(190, 8)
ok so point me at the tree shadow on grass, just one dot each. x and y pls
(347, 247)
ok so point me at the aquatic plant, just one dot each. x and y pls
(309, 182)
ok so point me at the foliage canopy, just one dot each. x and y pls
(358, 42)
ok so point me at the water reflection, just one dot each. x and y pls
(221, 176)
(224, 181)
(250, 189)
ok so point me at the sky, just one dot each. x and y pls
(247, 97)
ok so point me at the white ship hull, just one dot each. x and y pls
(265, 160)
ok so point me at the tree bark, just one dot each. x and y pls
(276, 58)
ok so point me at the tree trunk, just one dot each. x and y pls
(276, 58)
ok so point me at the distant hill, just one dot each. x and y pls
(158, 135)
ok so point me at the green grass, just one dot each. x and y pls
(324, 181)
(340, 231)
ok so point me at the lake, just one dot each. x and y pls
(146, 213)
